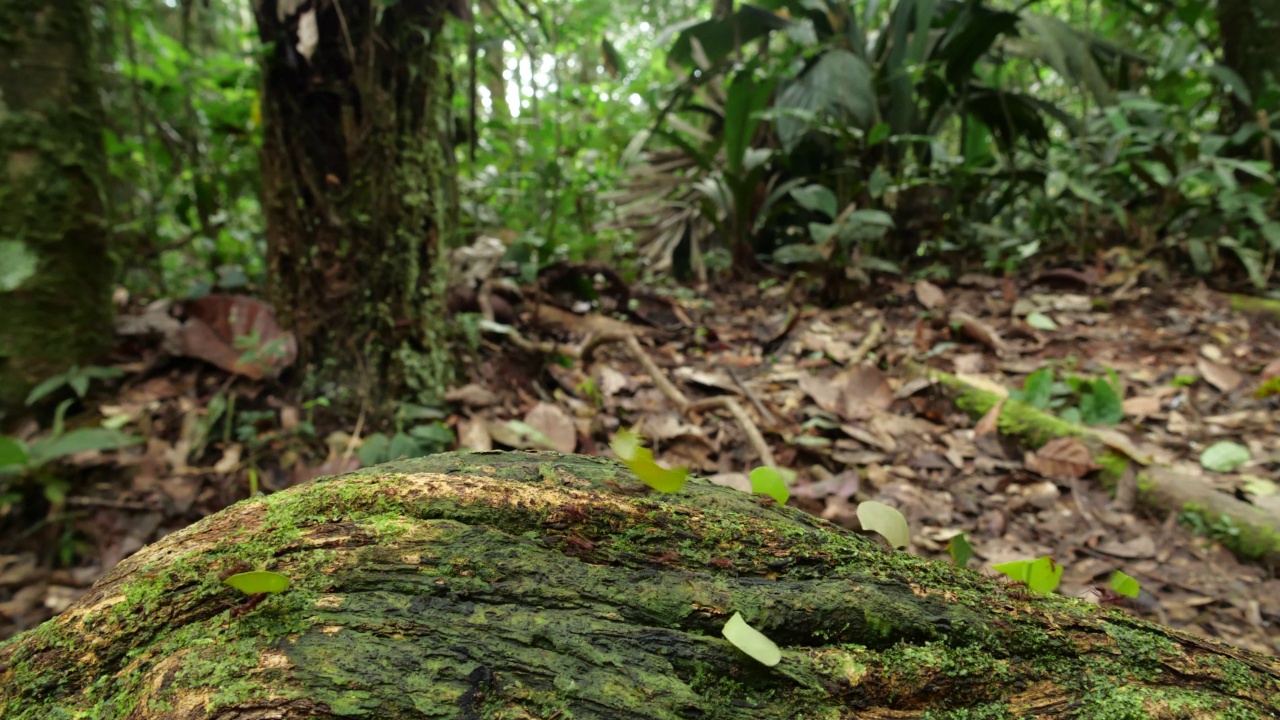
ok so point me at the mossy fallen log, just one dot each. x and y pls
(1249, 531)
(536, 585)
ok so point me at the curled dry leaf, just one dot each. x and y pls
(1219, 375)
(979, 330)
(1141, 406)
(1065, 458)
(990, 422)
(238, 334)
(555, 424)
(472, 395)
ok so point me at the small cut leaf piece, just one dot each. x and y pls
(751, 641)
(1124, 585)
(258, 581)
(626, 445)
(768, 481)
(887, 521)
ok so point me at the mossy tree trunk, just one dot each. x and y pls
(359, 190)
(55, 273)
(513, 585)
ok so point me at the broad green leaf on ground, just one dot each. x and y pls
(1224, 456)
(258, 581)
(626, 445)
(1124, 585)
(751, 641)
(768, 481)
(816, 197)
(960, 550)
(887, 521)
(1101, 405)
(1037, 389)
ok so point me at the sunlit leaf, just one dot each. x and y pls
(626, 445)
(751, 641)
(768, 481)
(960, 550)
(1124, 585)
(1040, 321)
(888, 522)
(1224, 456)
(258, 581)
(17, 264)
(816, 197)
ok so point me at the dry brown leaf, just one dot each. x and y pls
(556, 424)
(238, 334)
(1219, 375)
(474, 435)
(990, 422)
(1141, 406)
(472, 395)
(1065, 458)
(1272, 370)
(930, 295)
(862, 391)
(979, 330)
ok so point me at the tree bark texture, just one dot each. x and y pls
(55, 271)
(358, 189)
(536, 585)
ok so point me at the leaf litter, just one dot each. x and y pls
(834, 395)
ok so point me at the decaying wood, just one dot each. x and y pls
(535, 585)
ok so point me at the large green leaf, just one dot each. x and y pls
(17, 264)
(1069, 53)
(722, 36)
(838, 84)
(748, 95)
(13, 455)
(80, 440)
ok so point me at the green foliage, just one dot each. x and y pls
(1224, 456)
(751, 641)
(1124, 585)
(77, 378)
(960, 550)
(626, 445)
(886, 521)
(1041, 575)
(1097, 400)
(769, 481)
(258, 581)
(28, 462)
(418, 441)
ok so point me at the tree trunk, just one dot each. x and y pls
(526, 585)
(1249, 29)
(359, 190)
(55, 273)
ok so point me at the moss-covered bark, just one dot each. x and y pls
(512, 585)
(359, 193)
(55, 274)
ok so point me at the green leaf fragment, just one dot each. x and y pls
(1124, 585)
(960, 550)
(768, 481)
(1224, 456)
(626, 445)
(258, 581)
(751, 641)
(1040, 321)
(1042, 575)
(887, 521)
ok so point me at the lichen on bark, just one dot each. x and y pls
(533, 585)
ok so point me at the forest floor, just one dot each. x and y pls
(837, 395)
